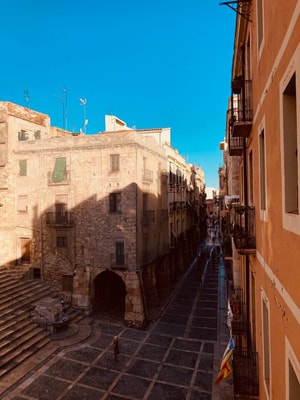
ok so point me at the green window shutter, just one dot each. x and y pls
(59, 172)
(23, 167)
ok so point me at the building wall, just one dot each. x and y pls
(274, 295)
(57, 198)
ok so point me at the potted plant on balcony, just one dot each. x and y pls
(239, 208)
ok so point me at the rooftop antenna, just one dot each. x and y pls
(27, 98)
(65, 108)
(85, 121)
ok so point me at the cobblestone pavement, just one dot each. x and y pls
(177, 357)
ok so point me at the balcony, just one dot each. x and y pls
(147, 176)
(59, 219)
(235, 145)
(244, 229)
(241, 114)
(245, 375)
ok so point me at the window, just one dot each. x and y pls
(59, 173)
(67, 283)
(262, 170)
(266, 344)
(251, 179)
(290, 150)
(22, 205)
(37, 134)
(120, 254)
(260, 22)
(22, 167)
(114, 162)
(294, 384)
(23, 135)
(115, 202)
(61, 241)
(61, 208)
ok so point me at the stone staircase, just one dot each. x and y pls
(20, 337)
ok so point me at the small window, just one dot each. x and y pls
(67, 283)
(120, 252)
(37, 134)
(114, 162)
(23, 167)
(61, 241)
(59, 172)
(115, 202)
(23, 135)
(22, 205)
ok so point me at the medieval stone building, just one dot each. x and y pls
(109, 220)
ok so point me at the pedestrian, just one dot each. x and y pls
(116, 347)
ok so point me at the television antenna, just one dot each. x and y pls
(27, 98)
(85, 121)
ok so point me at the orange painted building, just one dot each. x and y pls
(262, 138)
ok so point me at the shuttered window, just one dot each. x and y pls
(120, 254)
(59, 172)
(23, 167)
(115, 202)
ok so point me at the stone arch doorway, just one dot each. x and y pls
(109, 295)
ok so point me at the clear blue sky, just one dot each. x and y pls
(152, 63)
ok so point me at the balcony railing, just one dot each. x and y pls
(235, 145)
(245, 375)
(244, 229)
(241, 115)
(59, 219)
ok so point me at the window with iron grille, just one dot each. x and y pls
(115, 202)
(67, 283)
(114, 162)
(120, 252)
(61, 241)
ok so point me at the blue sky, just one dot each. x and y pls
(154, 64)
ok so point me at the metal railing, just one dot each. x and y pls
(244, 227)
(245, 375)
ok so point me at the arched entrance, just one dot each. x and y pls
(109, 295)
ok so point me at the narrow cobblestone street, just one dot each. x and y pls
(176, 357)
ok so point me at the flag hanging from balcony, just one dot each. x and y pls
(226, 368)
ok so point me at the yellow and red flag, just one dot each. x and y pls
(226, 368)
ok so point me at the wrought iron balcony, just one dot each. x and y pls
(245, 375)
(241, 106)
(59, 219)
(235, 145)
(244, 229)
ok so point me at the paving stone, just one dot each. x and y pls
(163, 391)
(203, 333)
(66, 369)
(128, 346)
(134, 334)
(160, 340)
(206, 362)
(184, 344)
(103, 341)
(208, 322)
(79, 392)
(200, 395)
(204, 380)
(182, 358)
(98, 378)
(131, 386)
(85, 354)
(178, 375)
(145, 369)
(151, 352)
(209, 348)
(107, 360)
(170, 329)
(45, 388)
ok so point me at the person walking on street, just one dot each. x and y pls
(116, 347)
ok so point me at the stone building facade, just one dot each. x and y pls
(90, 214)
